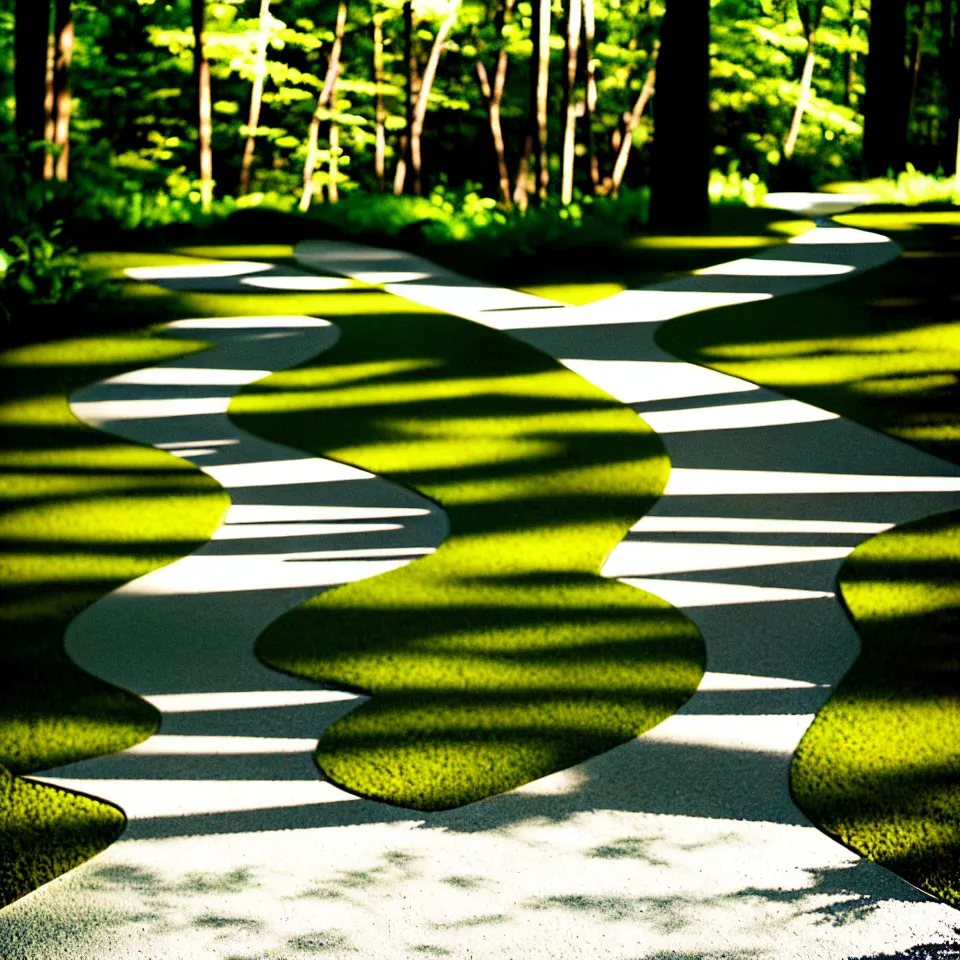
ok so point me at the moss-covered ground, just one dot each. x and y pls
(504, 656)
(879, 767)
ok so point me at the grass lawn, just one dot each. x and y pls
(83, 514)
(504, 656)
(879, 768)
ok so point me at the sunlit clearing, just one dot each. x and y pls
(92, 351)
(165, 745)
(894, 386)
(907, 220)
(757, 267)
(574, 294)
(687, 594)
(389, 276)
(737, 416)
(689, 482)
(243, 323)
(630, 306)
(661, 524)
(643, 381)
(720, 682)
(97, 413)
(188, 376)
(192, 271)
(277, 473)
(634, 558)
(817, 204)
(270, 513)
(839, 235)
(268, 531)
(197, 575)
(226, 252)
(298, 283)
(186, 798)
(775, 734)
(693, 243)
(791, 228)
(244, 700)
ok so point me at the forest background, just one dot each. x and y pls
(463, 114)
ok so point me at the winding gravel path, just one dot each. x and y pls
(682, 843)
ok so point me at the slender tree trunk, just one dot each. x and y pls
(423, 95)
(539, 77)
(951, 162)
(915, 70)
(380, 149)
(49, 115)
(62, 101)
(31, 32)
(803, 100)
(411, 91)
(494, 96)
(626, 142)
(521, 190)
(680, 157)
(572, 52)
(256, 96)
(201, 73)
(326, 95)
(590, 102)
(333, 191)
(886, 103)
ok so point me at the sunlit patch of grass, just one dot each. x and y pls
(880, 769)
(83, 514)
(47, 831)
(699, 242)
(576, 294)
(503, 656)
(241, 251)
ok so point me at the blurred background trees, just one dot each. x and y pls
(148, 111)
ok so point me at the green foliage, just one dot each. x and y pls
(503, 656)
(39, 268)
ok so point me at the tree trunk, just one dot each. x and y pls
(951, 75)
(572, 56)
(423, 95)
(680, 157)
(333, 191)
(201, 74)
(886, 103)
(380, 149)
(412, 90)
(521, 190)
(256, 96)
(790, 143)
(62, 101)
(31, 30)
(590, 102)
(326, 95)
(494, 97)
(539, 77)
(626, 141)
(915, 67)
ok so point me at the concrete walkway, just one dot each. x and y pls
(682, 843)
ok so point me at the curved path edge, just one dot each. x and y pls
(684, 841)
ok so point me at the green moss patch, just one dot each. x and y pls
(878, 767)
(503, 656)
(82, 514)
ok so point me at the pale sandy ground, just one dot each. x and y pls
(682, 843)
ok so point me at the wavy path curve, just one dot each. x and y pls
(681, 843)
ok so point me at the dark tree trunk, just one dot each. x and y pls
(951, 76)
(680, 159)
(31, 31)
(886, 104)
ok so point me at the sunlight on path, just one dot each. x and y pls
(682, 843)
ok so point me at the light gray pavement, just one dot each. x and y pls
(682, 843)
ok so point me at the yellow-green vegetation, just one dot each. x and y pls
(503, 656)
(890, 786)
(878, 767)
(83, 513)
